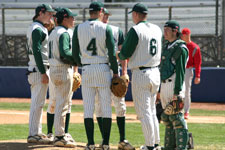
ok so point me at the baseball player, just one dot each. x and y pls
(119, 103)
(194, 61)
(142, 46)
(50, 117)
(61, 72)
(51, 105)
(173, 62)
(37, 37)
(93, 47)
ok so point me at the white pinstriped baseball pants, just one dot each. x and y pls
(167, 91)
(145, 85)
(96, 78)
(188, 83)
(62, 79)
(118, 102)
(52, 99)
(38, 96)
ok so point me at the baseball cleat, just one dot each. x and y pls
(158, 148)
(69, 137)
(51, 137)
(40, 138)
(63, 142)
(105, 147)
(186, 115)
(90, 147)
(143, 147)
(125, 145)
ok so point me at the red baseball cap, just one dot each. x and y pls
(186, 31)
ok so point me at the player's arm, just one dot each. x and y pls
(181, 60)
(120, 42)
(110, 44)
(76, 48)
(37, 37)
(129, 45)
(197, 62)
(64, 48)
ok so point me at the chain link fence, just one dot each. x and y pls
(204, 19)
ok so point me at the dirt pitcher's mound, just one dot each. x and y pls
(23, 145)
(22, 117)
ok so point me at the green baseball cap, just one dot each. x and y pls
(43, 7)
(139, 8)
(96, 6)
(173, 24)
(65, 12)
(57, 9)
(106, 11)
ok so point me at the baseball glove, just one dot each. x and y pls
(76, 81)
(119, 87)
(175, 106)
(159, 110)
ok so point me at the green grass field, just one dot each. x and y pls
(207, 136)
(130, 110)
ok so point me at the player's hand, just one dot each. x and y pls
(197, 80)
(44, 78)
(115, 75)
(158, 96)
(117, 55)
(174, 97)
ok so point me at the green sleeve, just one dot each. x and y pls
(180, 70)
(121, 37)
(76, 48)
(38, 37)
(110, 44)
(129, 45)
(64, 48)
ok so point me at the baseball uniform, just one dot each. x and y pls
(37, 37)
(61, 73)
(172, 68)
(194, 61)
(119, 103)
(93, 47)
(142, 46)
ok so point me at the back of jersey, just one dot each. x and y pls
(92, 37)
(148, 50)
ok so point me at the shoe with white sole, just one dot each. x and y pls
(125, 145)
(51, 137)
(63, 141)
(90, 147)
(40, 139)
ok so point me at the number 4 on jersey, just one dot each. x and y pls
(92, 46)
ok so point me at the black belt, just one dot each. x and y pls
(93, 64)
(168, 80)
(143, 68)
(34, 70)
(28, 71)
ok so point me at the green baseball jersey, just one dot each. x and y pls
(37, 38)
(60, 47)
(93, 43)
(142, 45)
(174, 59)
